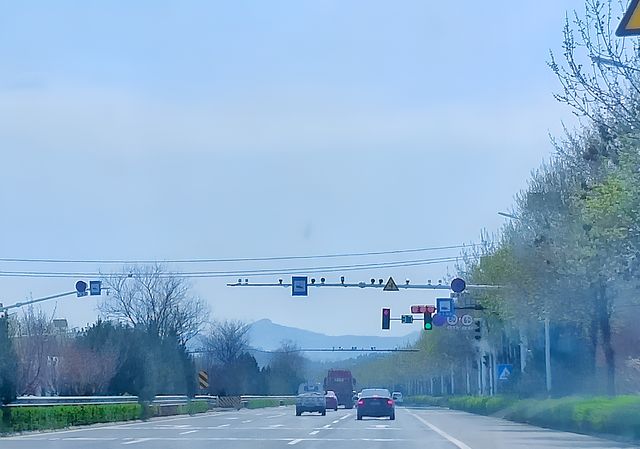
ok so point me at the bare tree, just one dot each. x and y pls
(159, 301)
(37, 350)
(83, 371)
(227, 341)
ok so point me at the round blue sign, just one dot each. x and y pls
(439, 320)
(458, 285)
(81, 286)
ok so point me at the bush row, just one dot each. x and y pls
(265, 402)
(617, 415)
(19, 419)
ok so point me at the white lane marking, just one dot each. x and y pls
(441, 432)
(382, 426)
(247, 421)
(137, 440)
(346, 416)
(292, 442)
(275, 416)
(233, 417)
(188, 432)
(273, 426)
(221, 426)
(88, 439)
(336, 421)
(315, 432)
(328, 426)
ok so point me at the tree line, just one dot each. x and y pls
(568, 254)
(153, 337)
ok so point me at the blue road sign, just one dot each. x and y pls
(445, 306)
(95, 287)
(439, 320)
(81, 288)
(458, 285)
(299, 286)
(407, 319)
(504, 371)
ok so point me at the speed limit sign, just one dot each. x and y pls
(452, 320)
(466, 320)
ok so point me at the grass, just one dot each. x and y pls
(618, 415)
(265, 402)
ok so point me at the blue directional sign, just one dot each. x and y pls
(504, 371)
(95, 287)
(445, 306)
(299, 286)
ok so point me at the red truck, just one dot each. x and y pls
(343, 384)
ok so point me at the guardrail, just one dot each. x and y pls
(162, 400)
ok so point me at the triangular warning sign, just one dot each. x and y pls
(630, 23)
(390, 286)
(504, 375)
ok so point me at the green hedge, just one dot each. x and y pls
(261, 403)
(58, 416)
(618, 415)
(19, 419)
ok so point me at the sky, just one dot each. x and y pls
(178, 130)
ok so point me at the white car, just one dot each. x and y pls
(397, 397)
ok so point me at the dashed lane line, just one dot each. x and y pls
(137, 440)
(440, 432)
(292, 442)
(188, 432)
(315, 432)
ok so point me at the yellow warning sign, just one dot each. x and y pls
(203, 379)
(390, 286)
(630, 24)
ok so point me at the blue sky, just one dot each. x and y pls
(164, 130)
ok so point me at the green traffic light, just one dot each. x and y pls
(428, 326)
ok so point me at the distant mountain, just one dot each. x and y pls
(267, 335)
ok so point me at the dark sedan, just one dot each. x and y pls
(376, 402)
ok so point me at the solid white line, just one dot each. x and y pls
(336, 421)
(441, 432)
(188, 432)
(247, 421)
(137, 440)
(315, 432)
(292, 442)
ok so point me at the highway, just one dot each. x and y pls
(279, 428)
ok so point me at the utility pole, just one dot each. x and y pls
(547, 354)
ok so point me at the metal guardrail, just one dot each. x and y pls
(162, 400)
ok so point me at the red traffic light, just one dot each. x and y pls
(386, 319)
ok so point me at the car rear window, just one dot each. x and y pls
(375, 392)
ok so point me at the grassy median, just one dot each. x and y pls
(619, 415)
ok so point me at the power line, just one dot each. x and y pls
(239, 259)
(264, 272)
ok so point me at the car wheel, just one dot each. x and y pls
(335, 409)
(323, 412)
(359, 417)
(392, 417)
(298, 412)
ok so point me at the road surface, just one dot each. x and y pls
(280, 428)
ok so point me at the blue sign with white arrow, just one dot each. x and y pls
(299, 286)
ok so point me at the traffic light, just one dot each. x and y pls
(428, 321)
(386, 318)
(477, 330)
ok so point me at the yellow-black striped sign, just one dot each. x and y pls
(203, 379)
(630, 23)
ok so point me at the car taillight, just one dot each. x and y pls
(361, 402)
(390, 402)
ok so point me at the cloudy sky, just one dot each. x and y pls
(179, 130)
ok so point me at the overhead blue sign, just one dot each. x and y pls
(504, 371)
(299, 286)
(445, 306)
(95, 287)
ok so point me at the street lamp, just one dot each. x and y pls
(547, 339)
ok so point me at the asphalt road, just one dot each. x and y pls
(280, 428)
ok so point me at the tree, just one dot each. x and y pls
(8, 363)
(227, 341)
(286, 369)
(156, 300)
